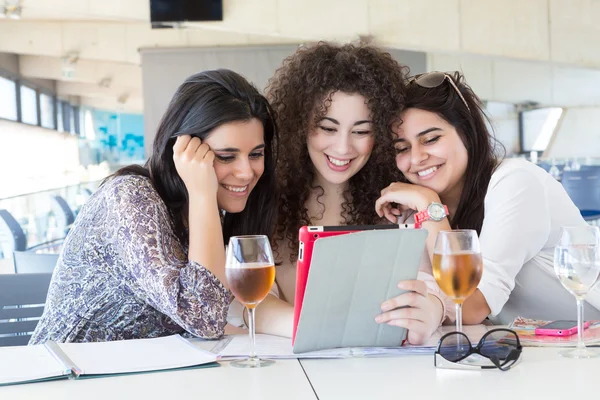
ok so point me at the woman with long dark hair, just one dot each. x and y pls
(459, 179)
(146, 255)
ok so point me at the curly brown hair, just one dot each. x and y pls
(300, 93)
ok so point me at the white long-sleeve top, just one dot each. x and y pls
(525, 208)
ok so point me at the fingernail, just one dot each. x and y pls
(378, 318)
(385, 306)
(402, 285)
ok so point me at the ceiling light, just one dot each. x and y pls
(12, 9)
(69, 62)
(122, 99)
(105, 82)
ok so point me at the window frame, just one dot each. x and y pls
(74, 122)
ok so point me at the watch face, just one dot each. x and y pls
(436, 211)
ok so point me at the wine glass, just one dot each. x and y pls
(577, 266)
(250, 272)
(457, 266)
(554, 170)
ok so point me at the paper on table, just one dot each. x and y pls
(268, 346)
(525, 328)
(28, 363)
(138, 355)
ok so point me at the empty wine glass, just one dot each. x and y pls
(577, 266)
(554, 171)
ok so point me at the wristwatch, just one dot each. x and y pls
(433, 212)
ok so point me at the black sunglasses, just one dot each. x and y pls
(500, 346)
(430, 80)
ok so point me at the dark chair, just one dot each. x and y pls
(28, 262)
(590, 167)
(546, 166)
(12, 237)
(17, 323)
(63, 213)
(583, 187)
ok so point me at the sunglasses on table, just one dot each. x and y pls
(499, 348)
(430, 80)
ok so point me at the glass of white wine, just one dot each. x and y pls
(457, 266)
(577, 266)
(250, 272)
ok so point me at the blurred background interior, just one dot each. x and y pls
(83, 83)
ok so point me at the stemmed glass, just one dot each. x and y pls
(577, 266)
(250, 272)
(457, 266)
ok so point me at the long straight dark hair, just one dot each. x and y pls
(202, 103)
(483, 150)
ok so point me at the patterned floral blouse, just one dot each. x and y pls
(124, 274)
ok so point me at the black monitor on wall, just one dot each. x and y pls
(185, 10)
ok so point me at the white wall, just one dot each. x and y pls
(9, 63)
(34, 158)
(505, 124)
(163, 70)
(517, 81)
(578, 134)
(563, 31)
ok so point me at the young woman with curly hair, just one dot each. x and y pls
(335, 108)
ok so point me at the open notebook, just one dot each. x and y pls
(52, 361)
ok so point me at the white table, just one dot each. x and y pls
(541, 373)
(285, 380)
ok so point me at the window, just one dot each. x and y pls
(29, 114)
(59, 117)
(66, 116)
(8, 99)
(47, 111)
(75, 128)
(537, 128)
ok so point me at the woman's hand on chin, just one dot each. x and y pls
(416, 310)
(399, 197)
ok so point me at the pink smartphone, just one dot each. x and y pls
(559, 328)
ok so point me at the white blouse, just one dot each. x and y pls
(525, 208)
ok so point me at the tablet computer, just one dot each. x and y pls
(381, 254)
(308, 235)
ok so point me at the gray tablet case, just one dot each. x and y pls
(350, 276)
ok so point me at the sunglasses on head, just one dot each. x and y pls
(499, 346)
(430, 80)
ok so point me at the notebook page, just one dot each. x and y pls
(268, 346)
(136, 355)
(27, 363)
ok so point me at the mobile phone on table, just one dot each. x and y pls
(559, 328)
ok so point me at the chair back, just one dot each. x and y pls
(22, 298)
(590, 167)
(583, 187)
(28, 262)
(12, 237)
(63, 213)
(546, 166)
